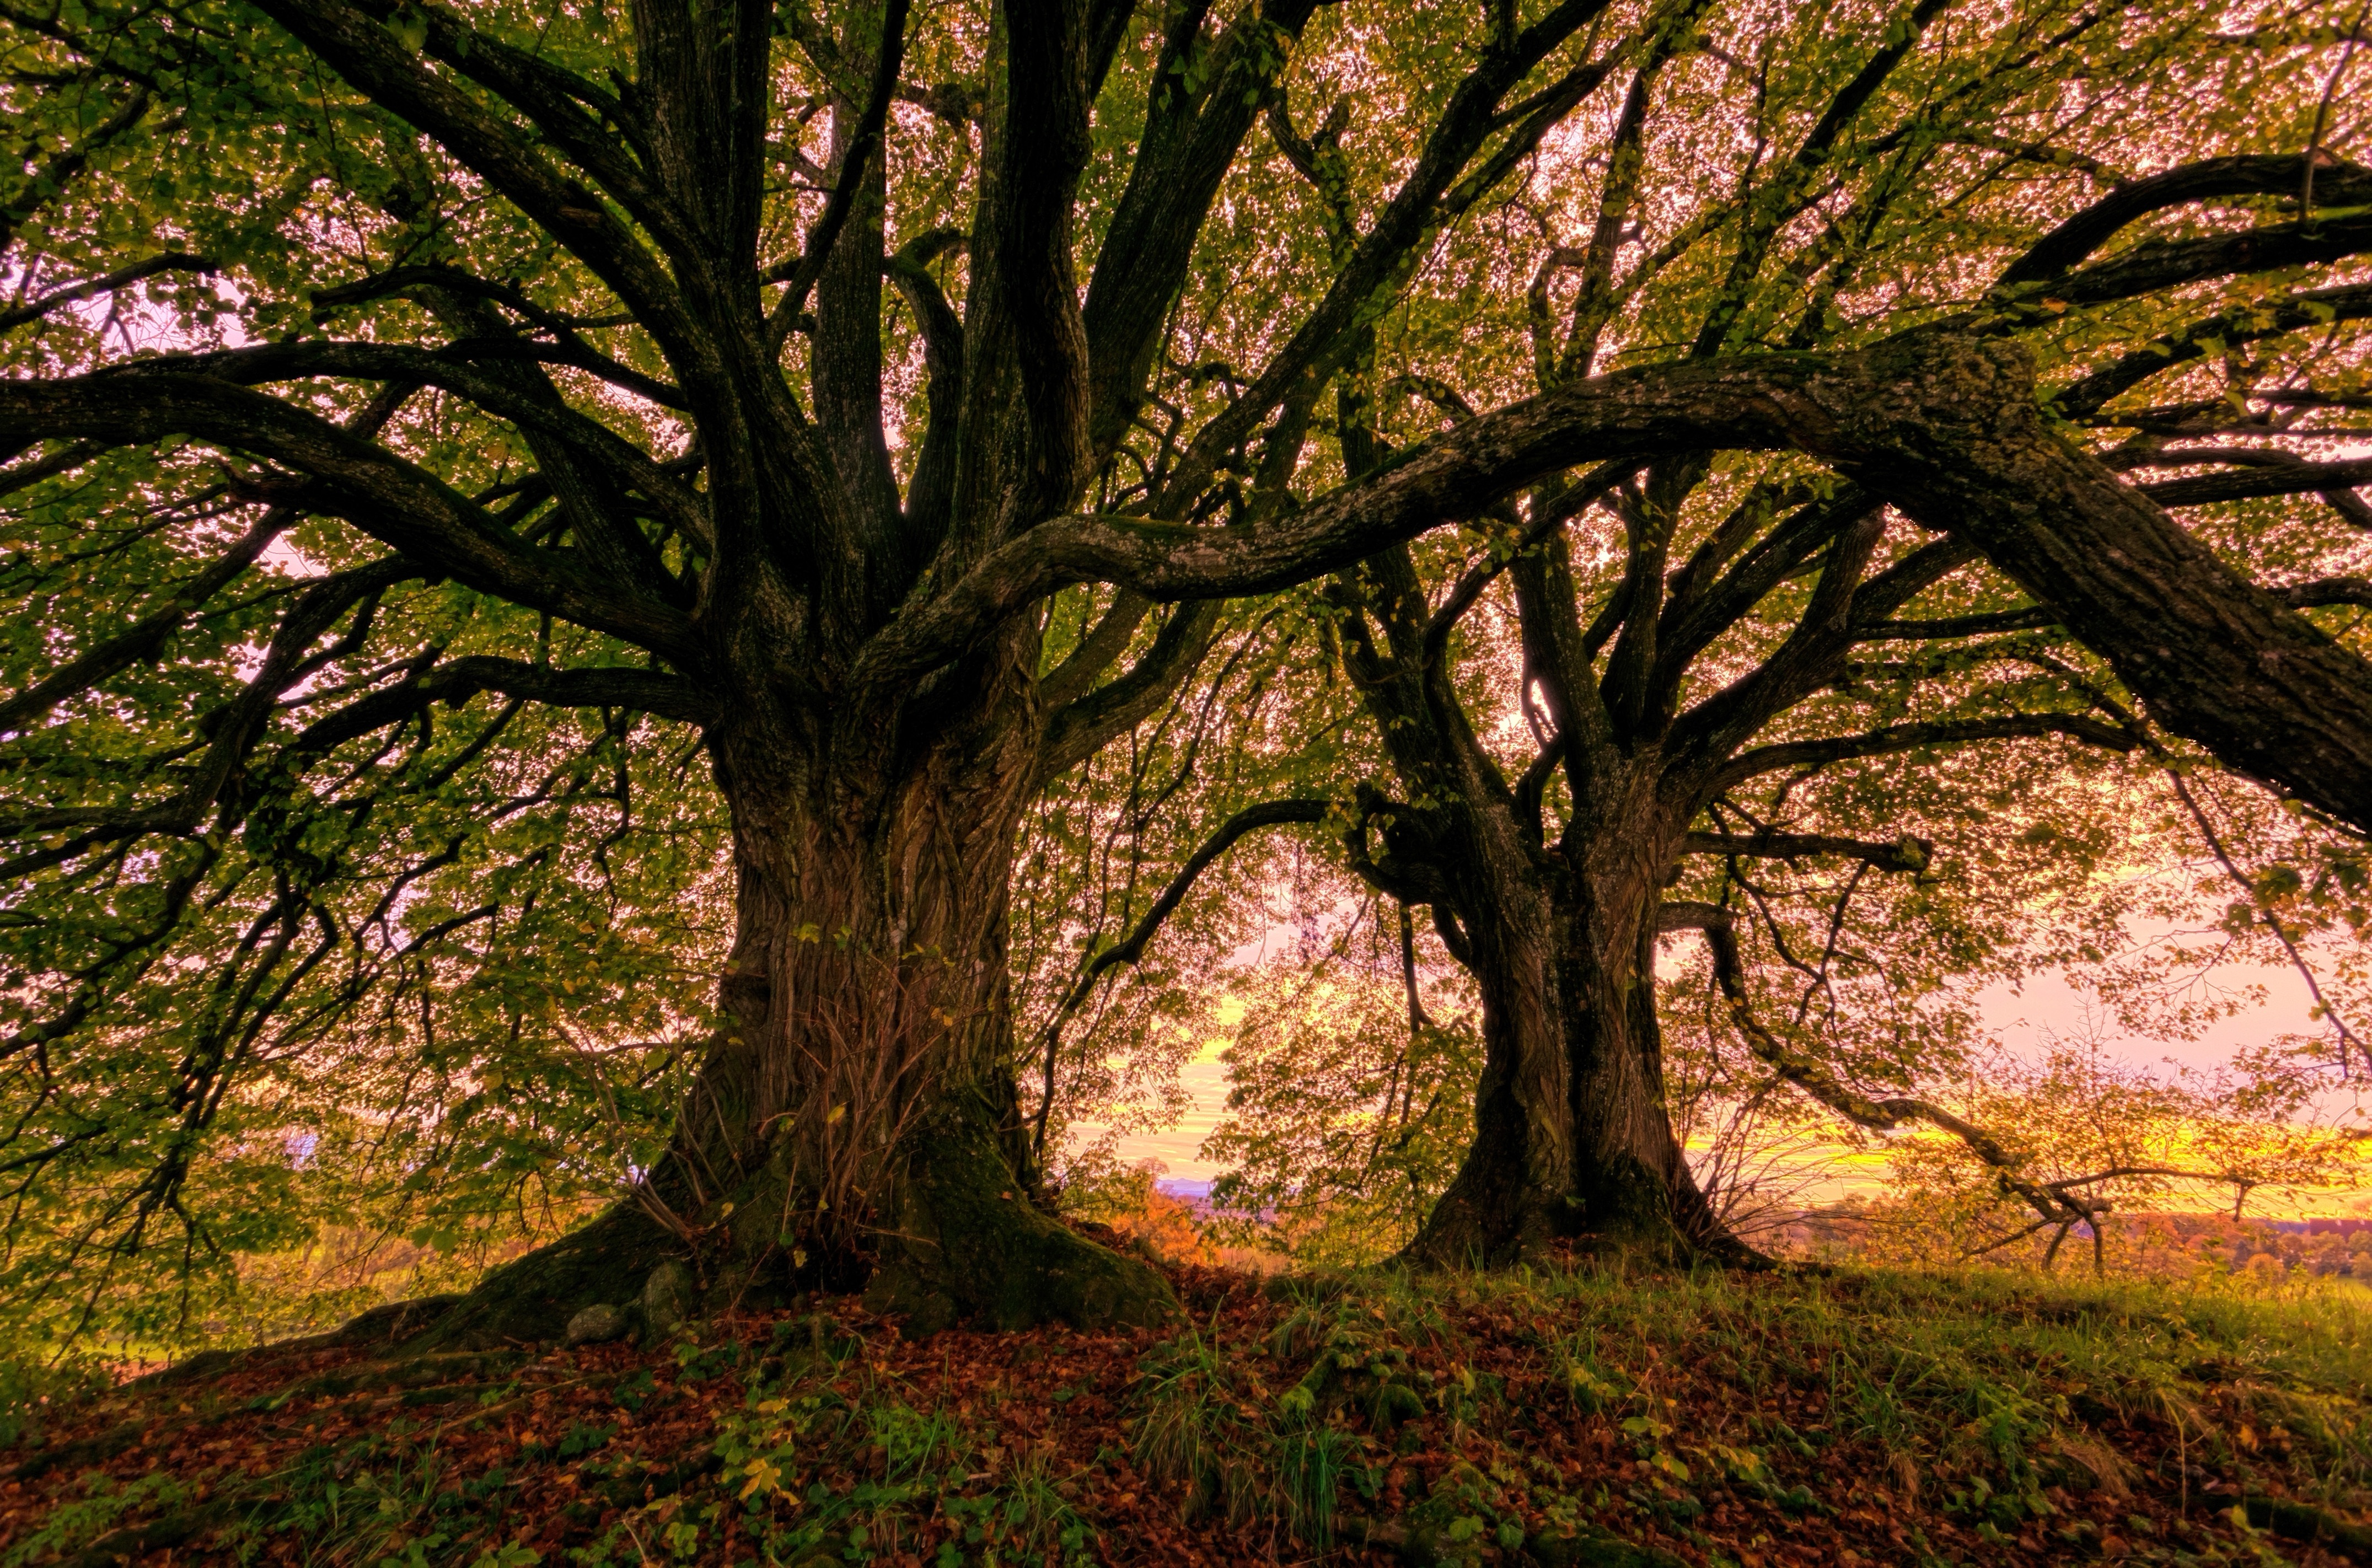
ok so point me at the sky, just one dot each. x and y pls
(2025, 1018)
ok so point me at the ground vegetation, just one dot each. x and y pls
(1590, 1417)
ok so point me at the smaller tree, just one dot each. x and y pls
(2110, 1140)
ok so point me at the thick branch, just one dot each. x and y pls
(1439, 182)
(146, 638)
(567, 347)
(1901, 738)
(1024, 272)
(1103, 645)
(393, 501)
(1467, 592)
(2275, 474)
(1701, 617)
(1082, 727)
(2034, 618)
(1906, 854)
(863, 144)
(90, 288)
(2170, 263)
(2328, 590)
(534, 405)
(638, 690)
(2245, 323)
(370, 57)
(930, 494)
(1191, 141)
(2256, 174)
(1940, 426)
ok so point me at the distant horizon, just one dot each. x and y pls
(2026, 1019)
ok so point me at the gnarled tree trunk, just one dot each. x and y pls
(1572, 1138)
(855, 1116)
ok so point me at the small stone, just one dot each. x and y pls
(595, 1325)
(667, 1298)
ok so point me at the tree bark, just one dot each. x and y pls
(1513, 1191)
(1572, 1138)
(855, 1118)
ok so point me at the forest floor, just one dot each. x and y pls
(1588, 1416)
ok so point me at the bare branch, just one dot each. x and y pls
(1877, 1115)
(1129, 950)
(2272, 923)
(90, 288)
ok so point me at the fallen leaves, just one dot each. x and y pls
(1460, 1426)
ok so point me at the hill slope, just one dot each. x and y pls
(1585, 1417)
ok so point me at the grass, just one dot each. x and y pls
(1643, 1417)
(1987, 1395)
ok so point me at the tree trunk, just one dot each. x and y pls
(1572, 1139)
(1513, 1192)
(856, 1114)
(1633, 1188)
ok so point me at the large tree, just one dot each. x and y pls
(1704, 636)
(754, 381)
(1752, 625)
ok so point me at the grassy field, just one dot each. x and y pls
(1590, 1416)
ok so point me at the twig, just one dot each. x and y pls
(2305, 971)
(2322, 111)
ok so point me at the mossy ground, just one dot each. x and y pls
(1590, 1415)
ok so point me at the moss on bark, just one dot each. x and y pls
(963, 1242)
(532, 1298)
(968, 1244)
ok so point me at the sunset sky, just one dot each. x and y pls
(2023, 1018)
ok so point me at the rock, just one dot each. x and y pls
(667, 1298)
(598, 1324)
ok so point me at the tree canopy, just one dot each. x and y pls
(557, 555)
